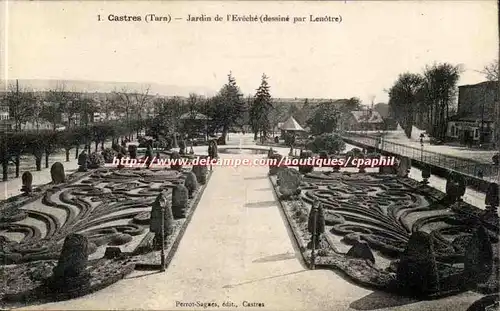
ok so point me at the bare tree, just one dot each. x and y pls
(21, 104)
(141, 107)
(491, 71)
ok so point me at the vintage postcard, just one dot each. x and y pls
(249, 155)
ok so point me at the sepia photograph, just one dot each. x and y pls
(250, 155)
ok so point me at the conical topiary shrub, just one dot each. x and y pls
(180, 199)
(160, 203)
(319, 214)
(426, 173)
(274, 167)
(200, 171)
(417, 273)
(191, 183)
(478, 262)
(27, 179)
(305, 156)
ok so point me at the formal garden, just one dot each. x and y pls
(386, 231)
(89, 229)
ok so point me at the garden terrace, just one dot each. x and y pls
(110, 207)
(383, 211)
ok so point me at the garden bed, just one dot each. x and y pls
(113, 210)
(382, 211)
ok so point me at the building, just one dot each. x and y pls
(476, 114)
(362, 120)
(5, 122)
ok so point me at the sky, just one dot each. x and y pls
(361, 56)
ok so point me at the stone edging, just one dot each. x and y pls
(303, 247)
(291, 225)
(178, 239)
(180, 234)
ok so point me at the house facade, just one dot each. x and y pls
(474, 122)
(362, 120)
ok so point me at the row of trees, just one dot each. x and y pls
(431, 93)
(46, 142)
(429, 97)
(61, 107)
(227, 110)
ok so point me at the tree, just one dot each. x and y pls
(403, 97)
(141, 106)
(438, 91)
(260, 109)
(229, 106)
(126, 104)
(491, 71)
(50, 112)
(21, 104)
(278, 114)
(324, 119)
(69, 140)
(352, 104)
(193, 105)
(50, 144)
(62, 102)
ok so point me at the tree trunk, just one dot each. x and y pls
(76, 151)
(5, 170)
(47, 159)
(102, 145)
(255, 136)
(18, 164)
(67, 155)
(224, 135)
(38, 162)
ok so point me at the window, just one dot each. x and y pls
(476, 133)
(453, 130)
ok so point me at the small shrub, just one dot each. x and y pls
(95, 160)
(496, 159)
(306, 169)
(57, 173)
(180, 197)
(109, 154)
(330, 143)
(176, 156)
(132, 151)
(191, 183)
(27, 179)
(417, 272)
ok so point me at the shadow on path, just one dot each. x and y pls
(142, 275)
(263, 279)
(264, 189)
(278, 257)
(380, 300)
(261, 204)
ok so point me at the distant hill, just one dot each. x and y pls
(105, 87)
